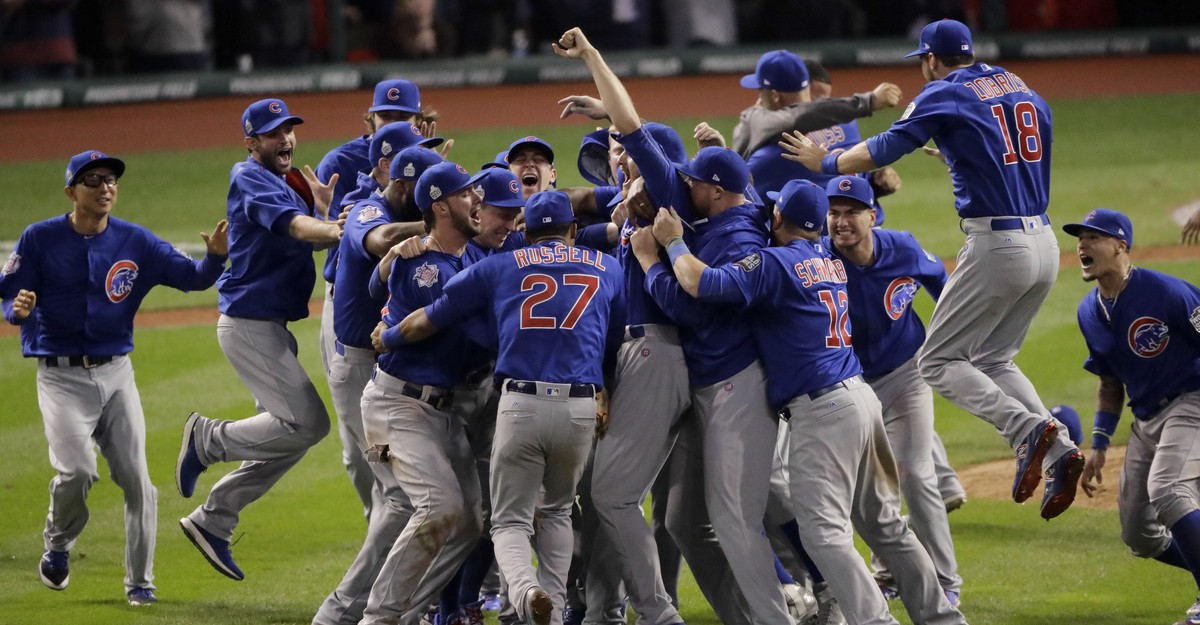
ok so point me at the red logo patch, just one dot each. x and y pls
(274, 107)
(393, 94)
(119, 283)
(1148, 337)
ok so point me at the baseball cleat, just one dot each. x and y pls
(473, 613)
(141, 596)
(889, 592)
(491, 602)
(828, 610)
(801, 604)
(573, 616)
(538, 607)
(1191, 620)
(954, 502)
(954, 598)
(1030, 453)
(214, 549)
(1195, 609)
(54, 570)
(1062, 479)
(188, 467)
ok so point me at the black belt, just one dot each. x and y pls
(786, 413)
(530, 388)
(87, 362)
(637, 332)
(416, 391)
(1016, 223)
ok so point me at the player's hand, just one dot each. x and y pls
(586, 105)
(1191, 230)
(637, 200)
(1091, 468)
(707, 136)
(667, 226)
(345, 214)
(601, 413)
(885, 180)
(572, 45)
(411, 247)
(886, 95)
(803, 150)
(645, 248)
(620, 214)
(428, 129)
(23, 303)
(217, 242)
(322, 191)
(936, 153)
(377, 338)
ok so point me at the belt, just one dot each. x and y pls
(653, 330)
(1019, 223)
(785, 413)
(531, 388)
(87, 362)
(418, 392)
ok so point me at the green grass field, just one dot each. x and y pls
(1127, 154)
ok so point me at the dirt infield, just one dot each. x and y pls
(993, 480)
(132, 128)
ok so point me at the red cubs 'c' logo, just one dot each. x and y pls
(898, 296)
(413, 129)
(393, 94)
(844, 184)
(119, 283)
(513, 186)
(274, 107)
(96, 155)
(460, 169)
(1148, 337)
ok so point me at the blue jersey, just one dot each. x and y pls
(557, 309)
(717, 340)
(1152, 343)
(355, 311)
(89, 287)
(887, 332)
(346, 160)
(770, 171)
(797, 298)
(414, 284)
(995, 132)
(271, 274)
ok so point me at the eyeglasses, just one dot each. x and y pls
(93, 181)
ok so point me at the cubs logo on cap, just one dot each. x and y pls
(1105, 221)
(529, 141)
(853, 187)
(944, 37)
(396, 95)
(498, 187)
(438, 181)
(91, 159)
(267, 115)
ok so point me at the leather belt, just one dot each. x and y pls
(1018, 223)
(786, 413)
(531, 388)
(418, 392)
(87, 362)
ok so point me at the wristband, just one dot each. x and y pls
(829, 164)
(392, 338)
(1099, 441)
(677, 248)
(1103, 428)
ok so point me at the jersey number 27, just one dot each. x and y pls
(545, 288)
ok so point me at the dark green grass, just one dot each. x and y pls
(298, 539)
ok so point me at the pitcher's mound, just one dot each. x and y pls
(993, 480)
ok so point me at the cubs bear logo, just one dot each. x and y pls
(119, 283)
(274, 107)
(898, 296)
(369, 213)
(1148, 337)
(426, 275)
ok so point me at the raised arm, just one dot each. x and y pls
(615, 99)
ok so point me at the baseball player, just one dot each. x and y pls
(373, 226)
(995, 133)
(271, 239)
(73, 284)
(1142, 330)
(784, 104)
(406, 410)
(558, 316)
(884, 271)
(531, 160)
(652, 396)
(840, 467)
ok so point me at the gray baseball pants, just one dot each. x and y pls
(948, 484)
(100, 404)
(1160, 482)
(292, 419)
(980, 322)
(431, 459)
(841, 470)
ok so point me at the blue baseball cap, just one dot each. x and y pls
(853, 187)
(944, 37)
(498, 187)
(667, 139)
(593, 158)
(803, 203)
(92, 159)
(720, 166)
(1068, 417)
(548, 208)
(779, 70)
(439, 181)
(396, 95)
(412, 161)
(498, 162)
(393, 137)
(527, 141)
(265, 116)
(1107, 221)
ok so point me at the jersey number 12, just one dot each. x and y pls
(839, 334)
(1029, 139)
(545, 288)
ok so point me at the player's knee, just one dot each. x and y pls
(75, 482)
(313, 434)
(1171, 500)
(1141, 544)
